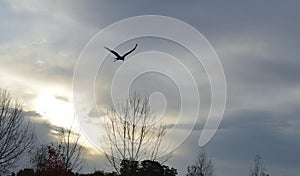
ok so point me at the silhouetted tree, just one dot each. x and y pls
(131, 132)
(71, 149)
(38, 156)
(66, 154)
(202, 167)
(26, 172)
(258, 169)
(100, 173)
(169, 172)
(52, 161)
(145, 168)
(151, 168)
(129, 168)
(16, 134)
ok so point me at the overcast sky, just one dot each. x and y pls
(257, 43)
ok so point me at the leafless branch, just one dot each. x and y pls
(131, 132)
(16, 135)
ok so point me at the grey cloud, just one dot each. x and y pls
(32, 114)
(62, 98)
(243, 135)
(43, 130)
(257, 43)
(276, 73)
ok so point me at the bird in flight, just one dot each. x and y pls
(118, 57)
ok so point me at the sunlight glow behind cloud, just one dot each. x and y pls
(258, 44)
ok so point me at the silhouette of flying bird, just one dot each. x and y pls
(118, 57)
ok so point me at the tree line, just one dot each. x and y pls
(133, 145)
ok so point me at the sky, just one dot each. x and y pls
(44, 43)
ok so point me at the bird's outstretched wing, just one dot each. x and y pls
(112, 51)
(130, 51)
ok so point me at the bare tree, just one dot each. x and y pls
(51, 161)
(16, 135)
(38, 157)
(202, 167)
(258, 168)
(132, 133)
(68, 147)
(72, 149)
